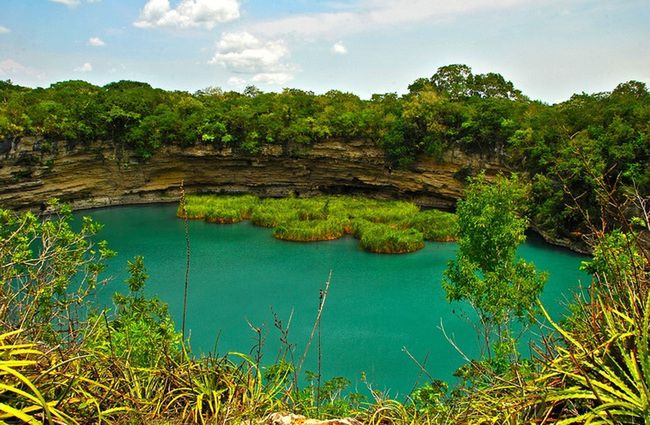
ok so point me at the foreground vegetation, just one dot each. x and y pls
(63, 361)
(566, 148)
(381, 226)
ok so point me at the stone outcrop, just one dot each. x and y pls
(293, 419)
(99, 174)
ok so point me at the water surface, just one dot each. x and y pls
(378, 305)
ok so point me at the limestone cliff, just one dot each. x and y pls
(97, 175)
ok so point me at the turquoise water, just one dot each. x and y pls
(377, 304)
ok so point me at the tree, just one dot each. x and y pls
(47, 272)
(494, 85)
(458, 82)
(486, 272)
(453, 80)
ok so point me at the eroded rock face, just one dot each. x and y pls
(96, 175)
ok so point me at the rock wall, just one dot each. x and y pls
(96, 175)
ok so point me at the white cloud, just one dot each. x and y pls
(376, 14)
(96, 42)
(12, 69)
(4, 30)
(73, 3)
(273, 78)
(243, 52)
(69, 3)
(188, 13)
(10, 66)
(86, 67)
(236, 81)
(339, 48)
(266, 61)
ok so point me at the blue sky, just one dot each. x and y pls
(550, 49)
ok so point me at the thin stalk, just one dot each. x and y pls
(187, 258)
(321, 305)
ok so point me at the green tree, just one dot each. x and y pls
(486, 272)
(47, 271)
(454, 81)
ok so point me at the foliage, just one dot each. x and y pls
(608, 383)
(584, 157)
(311, 230)
(141, 330)
(20, 399)
(596, 367)
(486, 272)
(435, 225)
(47, 270)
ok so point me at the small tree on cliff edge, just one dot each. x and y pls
(486, 273)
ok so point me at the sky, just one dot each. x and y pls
(550, 49)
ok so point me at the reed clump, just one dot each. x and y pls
(218, 209)
(273, 212)
(311, 230)
(435, 225)
(384, 238)
(381, 226)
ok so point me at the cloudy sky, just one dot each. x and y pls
(549, 49)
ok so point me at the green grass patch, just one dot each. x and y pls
(273, 212)
(380, 226)
(385, 238)
(312, 230)
(435, 225)
(218, 209)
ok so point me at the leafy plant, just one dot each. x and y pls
(47, 270)
(20, 398)
(141, 330)
(486, 272)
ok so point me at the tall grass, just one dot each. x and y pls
(218, 209)
(387, 238)
(381, 226)
(312, 230)
(435, 225)
(273, 212)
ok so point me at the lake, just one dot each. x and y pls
(377, 306)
